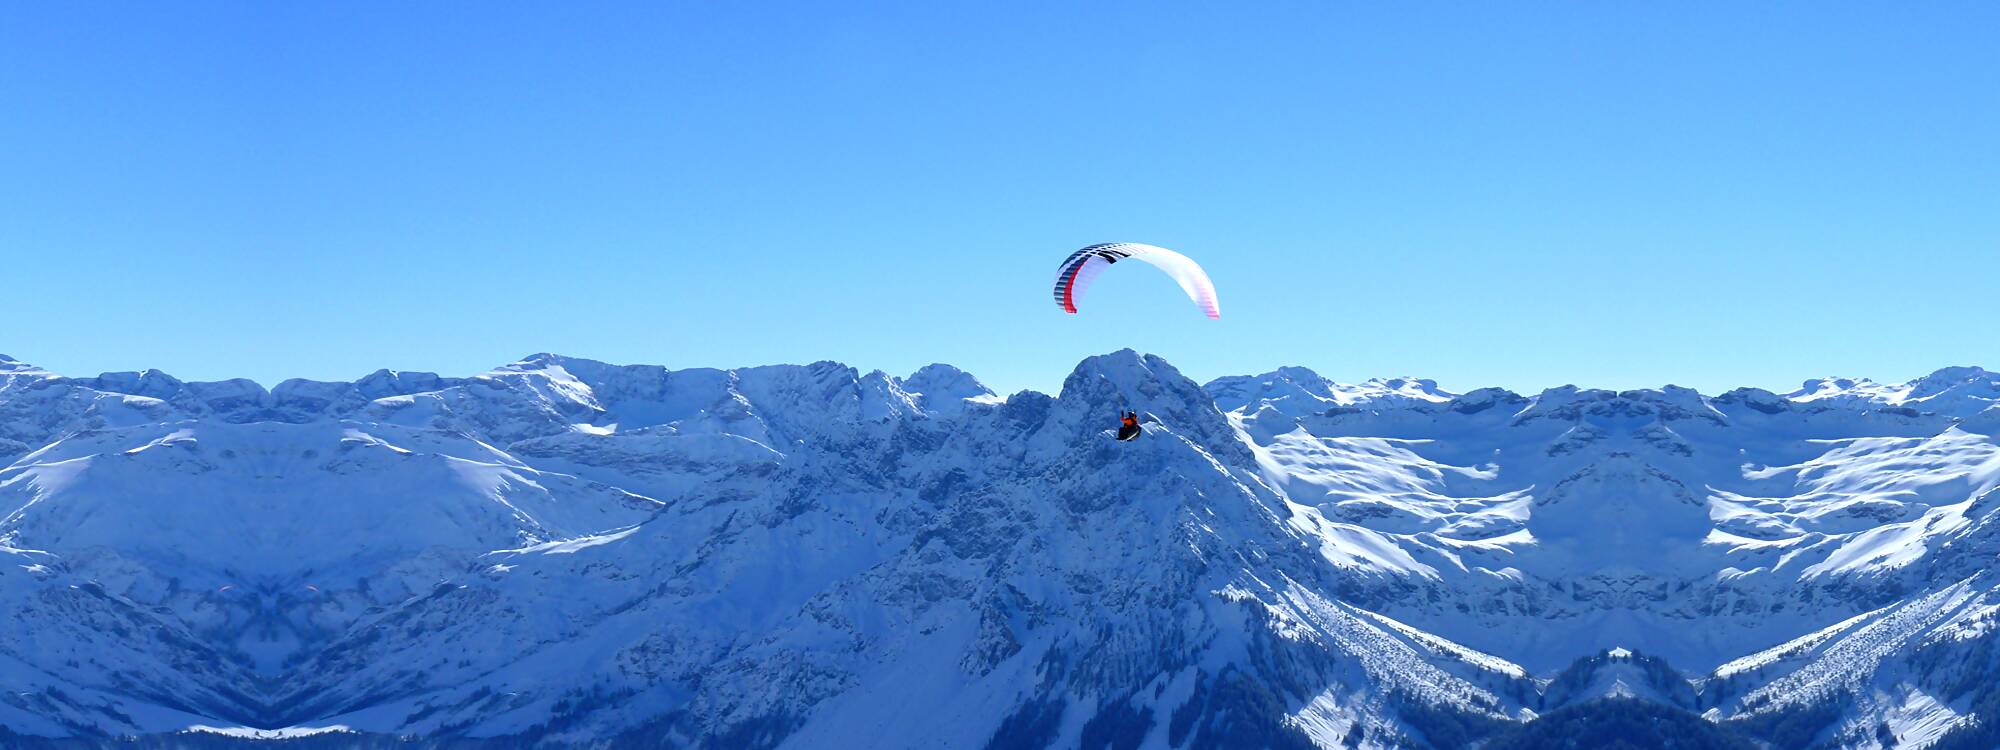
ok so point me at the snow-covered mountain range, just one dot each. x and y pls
(562, 552)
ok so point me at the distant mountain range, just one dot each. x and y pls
(567, 553)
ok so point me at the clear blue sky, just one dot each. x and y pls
(1515, 194)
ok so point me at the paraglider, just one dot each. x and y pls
(1128, 427)
(1084, 265)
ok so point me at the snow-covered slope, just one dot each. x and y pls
(1955, 391)
(563, 552)
(1298, 392)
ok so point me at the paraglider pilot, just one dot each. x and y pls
(1128, 429)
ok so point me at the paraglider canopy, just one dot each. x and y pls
(1082, 266)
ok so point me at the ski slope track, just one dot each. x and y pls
(568, 553)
